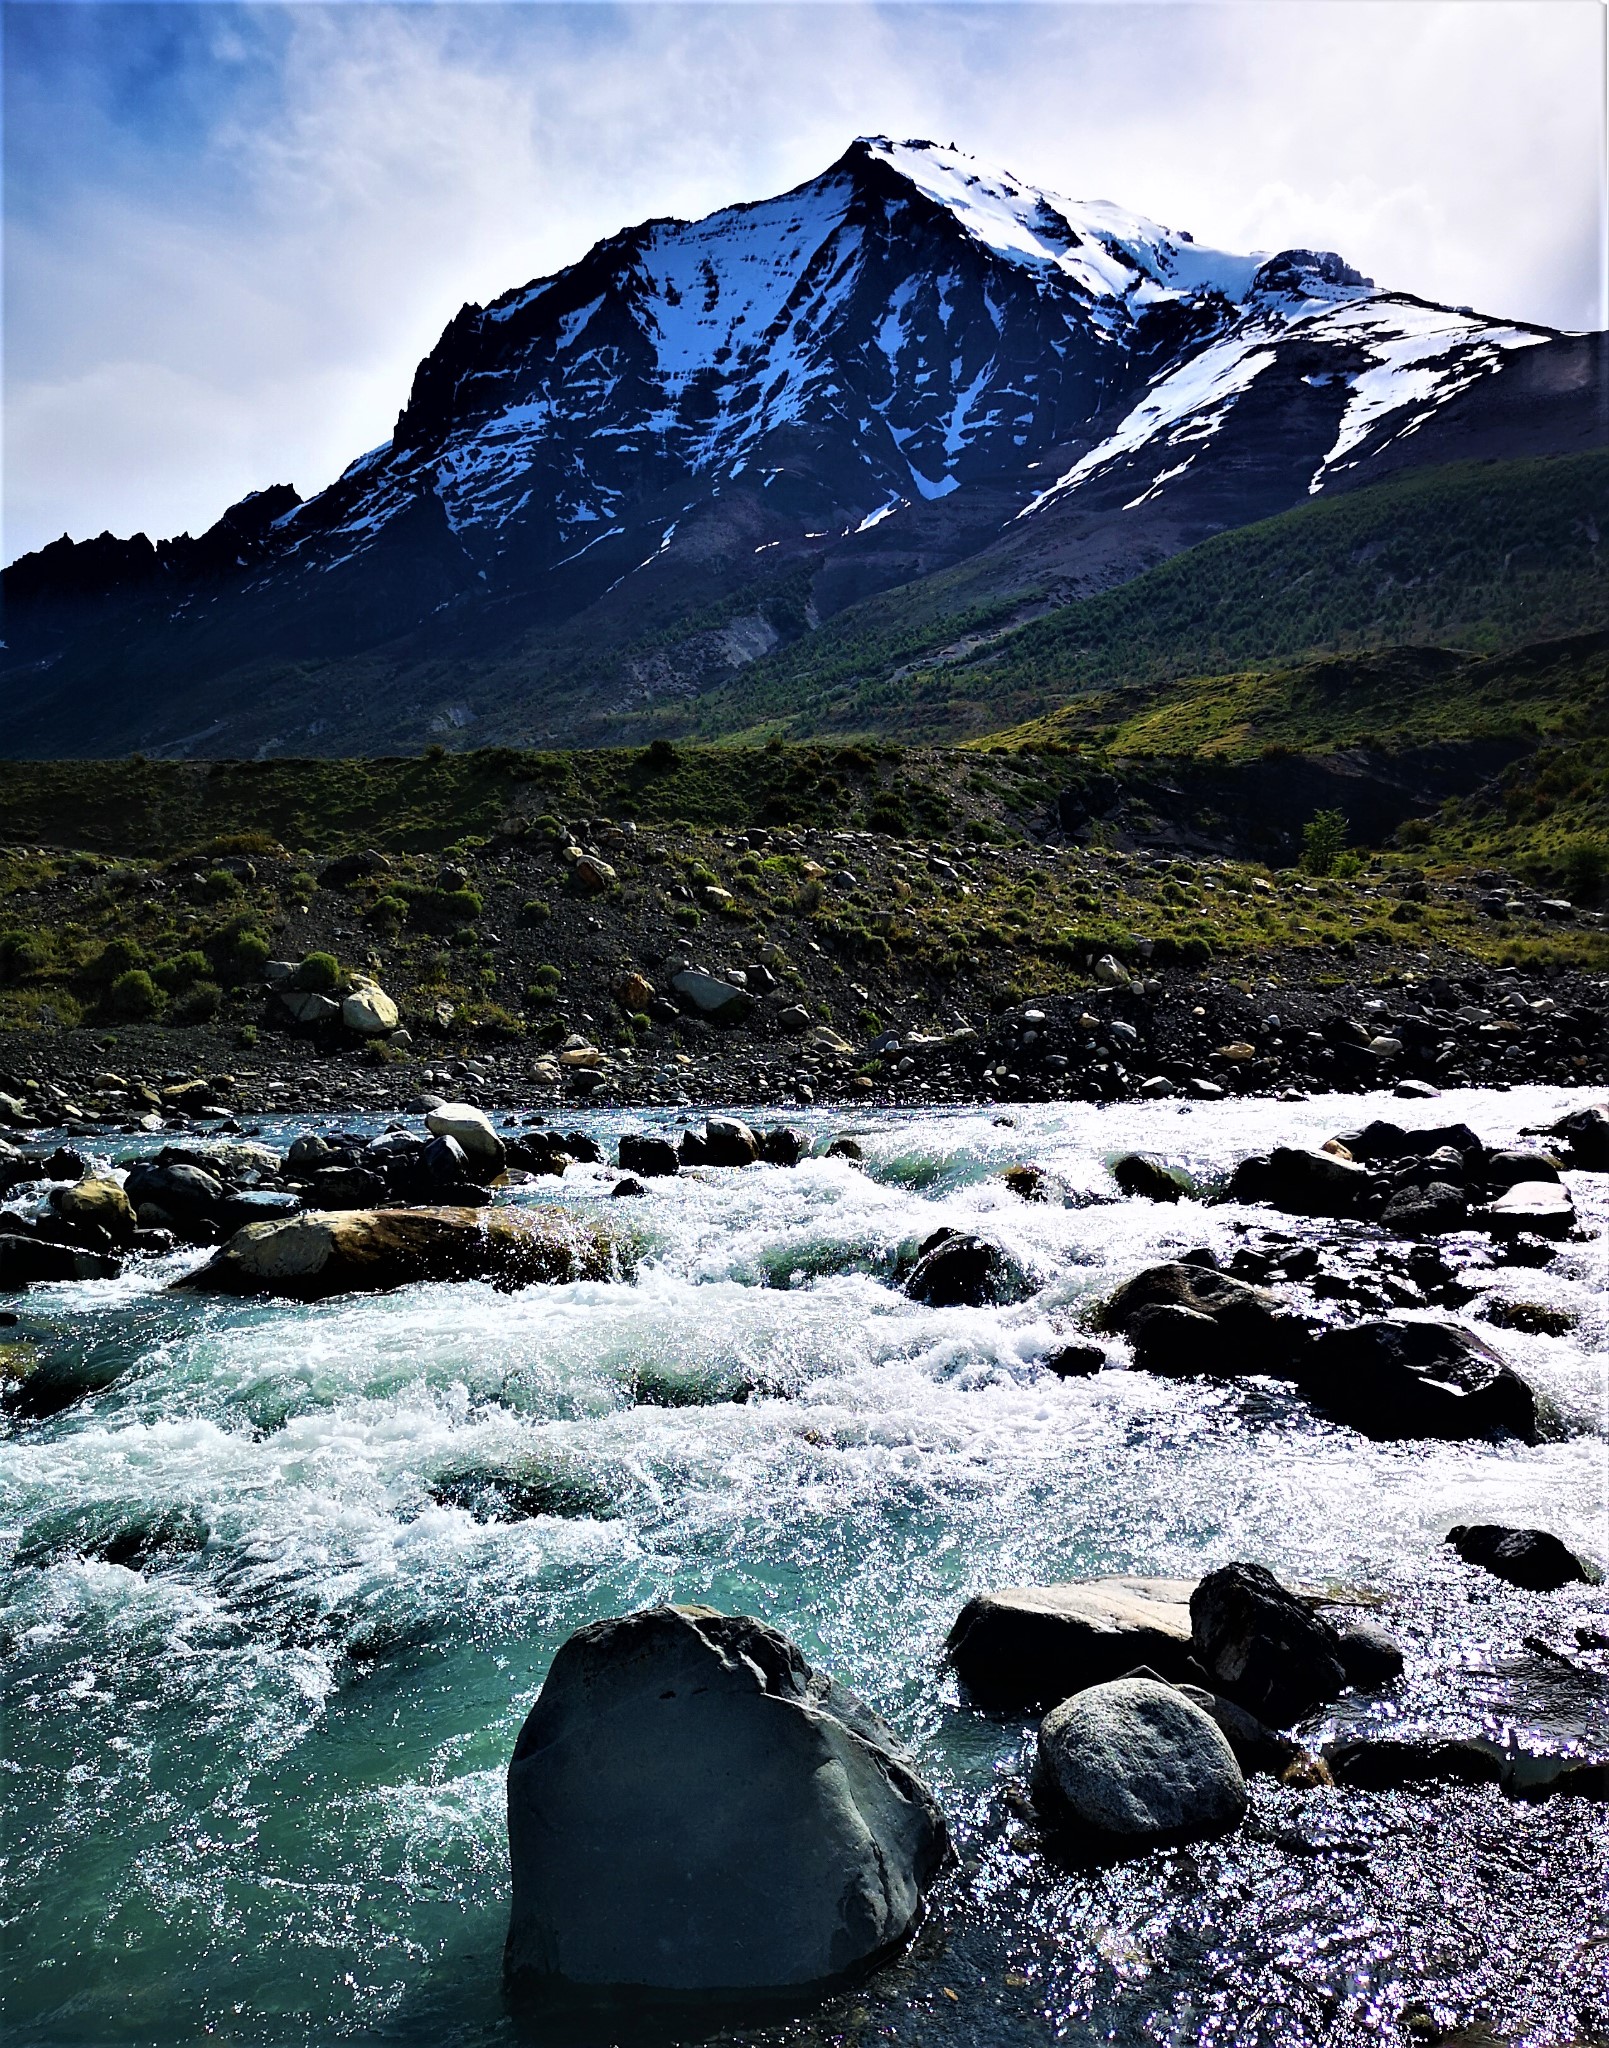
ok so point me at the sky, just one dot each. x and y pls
(232, 231)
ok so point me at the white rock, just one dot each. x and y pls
(473, 1130)
(369, 1011)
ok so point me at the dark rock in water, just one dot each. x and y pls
(1533, 1318)
(1074, 1361)
(188, 1194)
(523, 1488)
(1033, 1184)
(25, 1260)
(653, 1158)
(1586, 1132)
(1382, 1140)
(257, 1205)
(1141, 1176)
(782, 1146)
(628, 1187)
(1250, 1331)
(1507, 1169)
(1021, 1647)
(964, 1272)
(1303, 1183)
(442, 1160)
(1407, 1379)
(579, 1146)
(729, 1143)
(694, 1811)
(128, 1533)
(844, 1148)
(1257, 1747)
(1426, 1211)
(1264, 1645)
(1369, 1657)
(1137, 1762)
(63, 1164)
(1532, 1558)
(48, 1384)
(1383, 1763)
(1539, 1208)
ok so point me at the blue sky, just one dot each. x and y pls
(231, 231)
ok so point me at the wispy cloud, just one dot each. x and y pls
(232, 231)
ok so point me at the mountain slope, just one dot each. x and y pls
(615, 488)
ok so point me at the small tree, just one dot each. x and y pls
(1585, 867)
(133, 995)
(1323, 841)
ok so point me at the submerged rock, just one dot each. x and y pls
(1532, 1558)
(1264, 1645)
(1137, 1174)
(130, 1533)
(963, 1271)
(1137, 1762)
(694, 1811)
(1021, 1647)
(1384, 1763)
(321, 1253)
(1407, 1379)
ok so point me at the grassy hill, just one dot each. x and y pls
(1480, 557)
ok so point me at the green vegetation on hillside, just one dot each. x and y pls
(1481, 557)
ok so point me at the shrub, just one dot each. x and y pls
(535, 911)
(441, 910)
(249, 953)
(1348, 864)
(23, 953)
(1323, 838)
(541, 996)
(218, 884)
(116, 957)
(548, 976)
(133, 995)
(386, 913)
(199, 1003)
(318, 972)
(869, 1022)
(659, 756)
(179, 972)
(302, 883)
(685, 913)
(1584, 866)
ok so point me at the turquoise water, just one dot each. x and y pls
(253, 1782)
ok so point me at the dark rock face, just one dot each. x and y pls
(1303, 1183)
(782, 1146)
(1264, 1646)
(1021, 1647)
(1387, 1141)
(1138, 1762)
(653, 1158)
(1188, 1318)
(1525, 1557)
(1426, 1211)
(1074, 1361)
(1136, 1174)
(24, 1260)
(1407, 1379)
(963, 1272)
(1384, 1763)
(1586, 1131)
(694, 1811)
(1369, 1657)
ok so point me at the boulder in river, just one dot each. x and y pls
(98, 1203)
(1263, 1645)
(1187, 1318)
(1536, 1208)
(962, 1271)
(1429, 1211)
(1302, 1182)
(1387, 1141)
(1532, 1558)
(653, 1158)
(696, 1813)
(1137, 1762)
(472, 1129)
(25, 1260)
(1021, 1647)
(323, 1253)
(1586, 1132)
(1139, 1175)
(727, 1142)
(1408, 1379)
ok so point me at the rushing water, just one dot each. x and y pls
(253, 1789)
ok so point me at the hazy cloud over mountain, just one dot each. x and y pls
(232, 232)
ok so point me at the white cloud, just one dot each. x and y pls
(168, 352)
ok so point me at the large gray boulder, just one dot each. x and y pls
(1137, 1762)
(1020, 1647)
(694, 1812)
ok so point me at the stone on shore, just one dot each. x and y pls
(1137, 1762)
(472, 1129)
(1408, 1379)
(1532, 1558)
(694, 1811)
(1263, 1645)
(369, 1011)
(706, 995)
(1021, 1647)
(322, 1253)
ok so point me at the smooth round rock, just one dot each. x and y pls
(1136, 1762)
(472, 1128)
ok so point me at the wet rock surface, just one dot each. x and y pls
(1137, 1762)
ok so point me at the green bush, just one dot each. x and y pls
(869, 1022)
(387, 913)
(535, 911)
(540, 996)
(1584, 867)
(198, 1005)
(440, 910)
(249, 954)
(116, 957)
(133, 995)
(217, 885)
(179, 972)
(549, 976)
(24, 953)
(685, 913)
(1323, 839)
(318, 972)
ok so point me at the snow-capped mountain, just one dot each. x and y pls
(907, 362)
